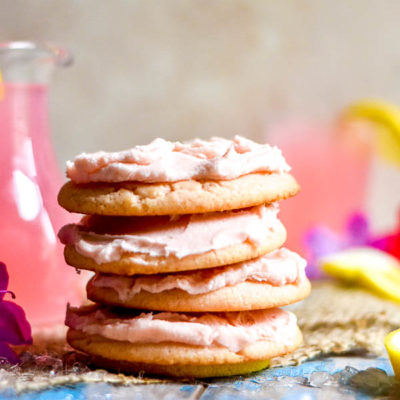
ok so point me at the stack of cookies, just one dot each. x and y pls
(185, 243)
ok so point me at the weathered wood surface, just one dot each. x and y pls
(288, 383)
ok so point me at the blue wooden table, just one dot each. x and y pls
(329, 378)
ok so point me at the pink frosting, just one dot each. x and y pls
(278, 268)
(163, 161)
(234, 330)
(177, 236)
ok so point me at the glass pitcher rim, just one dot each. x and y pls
(60, 55)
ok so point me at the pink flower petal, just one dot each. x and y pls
(14, 328)
(357, 229)
(8, 354)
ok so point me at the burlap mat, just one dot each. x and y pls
(337, 319)
(334, 320)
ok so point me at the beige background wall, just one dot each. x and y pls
(184, 68)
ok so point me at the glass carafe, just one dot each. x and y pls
(29, 181)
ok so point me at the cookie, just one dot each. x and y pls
(172, 198)
(148, 245)
(177, 360)
(172, 178)
(130, 264)
(272, 280)
(207, 345)
(241, 297)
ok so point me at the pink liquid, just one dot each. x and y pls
(333, 179)
(29, 214)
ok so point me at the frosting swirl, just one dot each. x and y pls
(232, 330)
(107, 239)
(164, 161)
(278, 268)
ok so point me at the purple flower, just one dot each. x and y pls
(321, 241)
(14, 328)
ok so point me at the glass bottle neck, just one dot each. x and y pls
(28, 62)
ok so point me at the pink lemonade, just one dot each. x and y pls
(333, 178)
(29, 215)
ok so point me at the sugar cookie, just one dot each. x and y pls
(177, 344)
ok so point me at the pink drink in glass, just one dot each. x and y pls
(29, 214)
(332, 173)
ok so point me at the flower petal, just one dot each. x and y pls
(3, 279)
(390, 244)
(6, 352)
(358, 230)
(319, 242)
(14, 328)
